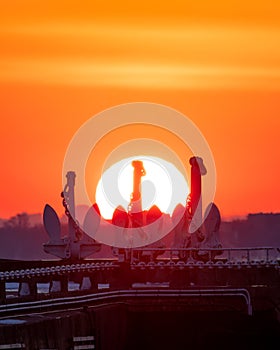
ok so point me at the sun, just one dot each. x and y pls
(163, 185)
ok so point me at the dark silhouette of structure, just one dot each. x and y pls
(189, 282)
(77, 244)
(189, 231)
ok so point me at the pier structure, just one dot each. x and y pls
(195, 276)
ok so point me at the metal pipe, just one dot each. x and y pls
(43, 304)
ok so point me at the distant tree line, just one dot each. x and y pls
(20, 220)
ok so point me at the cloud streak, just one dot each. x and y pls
(107, 54)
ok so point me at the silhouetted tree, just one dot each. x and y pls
(20, 220)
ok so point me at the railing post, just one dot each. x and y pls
(59, 285)
(27, 289)
(86, 283)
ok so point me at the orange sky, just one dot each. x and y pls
(218, 62)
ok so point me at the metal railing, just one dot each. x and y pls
(170, 257)
(263, 256)
(78, 301)
(57, 270)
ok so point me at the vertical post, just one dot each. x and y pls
(71, 202)
(27, 289)
(59, 285)
(135, 205)
(195, 187)
(197, 170)
(86, 283)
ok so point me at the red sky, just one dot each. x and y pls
(216, 62)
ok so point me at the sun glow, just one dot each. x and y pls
(163, 185)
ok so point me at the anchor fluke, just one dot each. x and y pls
(51, 223)
(92, 219)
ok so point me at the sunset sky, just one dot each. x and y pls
(217, 62)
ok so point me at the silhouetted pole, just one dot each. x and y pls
(197, 170)
(69, 191)
(135, 206)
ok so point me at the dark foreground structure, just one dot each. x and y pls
(149, 324)
(161, 304)
(192, 294)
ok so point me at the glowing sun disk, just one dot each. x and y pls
(163, 185)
